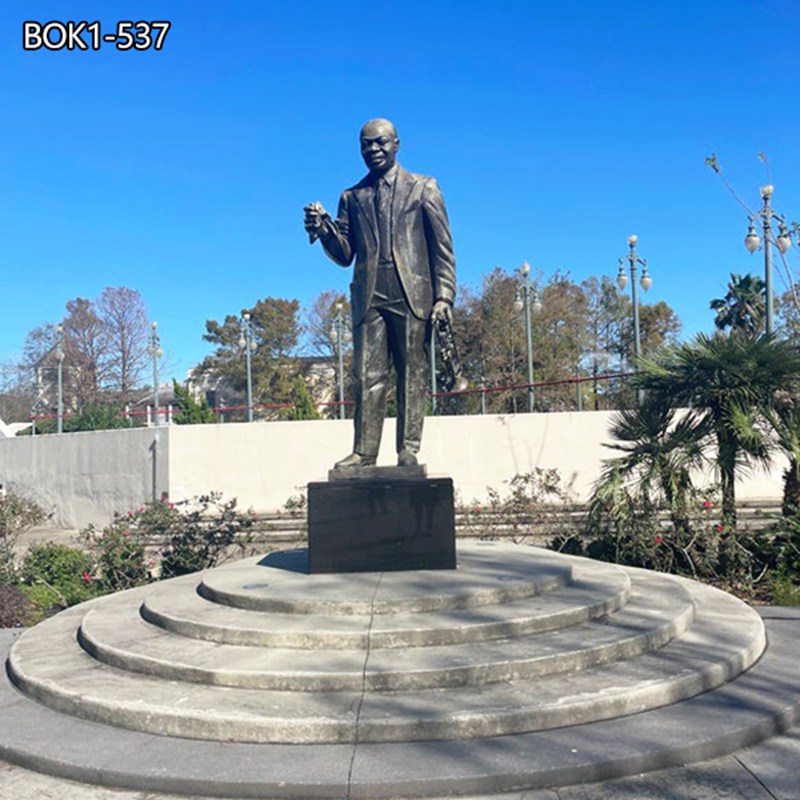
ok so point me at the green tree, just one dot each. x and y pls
(744, 306)
(190, 411)
(276, 332)
(303, 403)
(584, 328)
(727, 383)
(97, 417)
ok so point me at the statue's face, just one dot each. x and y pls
(379, 146)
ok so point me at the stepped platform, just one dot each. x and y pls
(523, 668)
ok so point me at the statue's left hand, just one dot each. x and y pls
(442, 310)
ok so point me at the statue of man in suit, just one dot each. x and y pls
(395, 225)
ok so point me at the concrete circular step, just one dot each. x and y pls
(756, 704)
(132, 674)
(116, 634)
(488, 573)
(594, 589)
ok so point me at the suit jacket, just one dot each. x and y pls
(421, 243)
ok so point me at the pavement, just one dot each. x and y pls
(767, 771)
(45, 535)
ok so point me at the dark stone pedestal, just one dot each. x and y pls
(377, 524)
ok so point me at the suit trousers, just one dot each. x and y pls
(389, 330)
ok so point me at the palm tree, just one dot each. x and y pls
(784, 419)
(659, 448)
(729, 384)
(743, 307)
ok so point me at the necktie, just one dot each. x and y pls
(383, 211)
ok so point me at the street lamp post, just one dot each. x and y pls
(155, 352)
(59, 370)
(339, 335)
(782, 242)
(246, 342)
(622, 282)
(526, 298)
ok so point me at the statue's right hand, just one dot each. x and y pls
(314, 212)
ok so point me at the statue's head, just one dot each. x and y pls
(379, 145)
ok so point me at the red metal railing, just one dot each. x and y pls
(167, 411)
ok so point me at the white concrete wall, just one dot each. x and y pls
(262, 464)
(265, 463)
(86, 476)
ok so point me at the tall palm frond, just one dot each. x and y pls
(784, 420)
(659, 447)
(729, 383)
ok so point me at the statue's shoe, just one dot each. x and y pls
(405, 458)
(355, 460)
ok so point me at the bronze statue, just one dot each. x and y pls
(395, 225)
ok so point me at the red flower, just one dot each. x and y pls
(86, 577)
(659, 540)
(130, 513)
(172, 505)
(706, 504)
(720, 529)
(477, 509)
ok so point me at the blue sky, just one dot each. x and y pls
(555, 129)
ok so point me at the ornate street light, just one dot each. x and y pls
(527, 297)
(340, 335)
(782, 241)
(155, 352)
(248, 345)
(60, 387)
(646, 283)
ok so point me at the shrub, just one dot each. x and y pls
(200, 538)
(785, 592)
(55, 576)
(121, 560)
(131, 547)
(17, 514)
(297, 504)
(626, 527)
(528, 505)
(98, 417)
